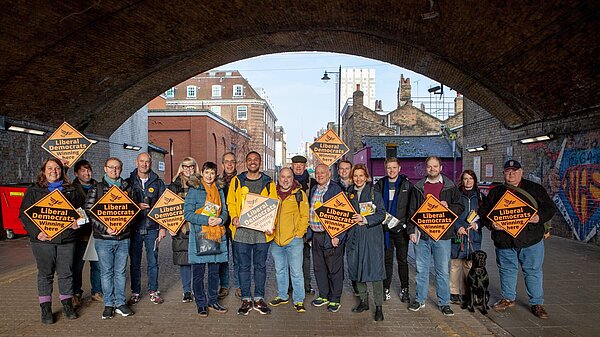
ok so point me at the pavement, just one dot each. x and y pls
(571, 273)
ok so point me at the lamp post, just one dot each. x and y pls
(338, 105)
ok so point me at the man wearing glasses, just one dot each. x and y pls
(229, 164)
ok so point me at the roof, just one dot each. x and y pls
(411, 146)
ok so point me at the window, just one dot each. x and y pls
(238, 90)
(216, 110)
(216, 91)
(170, 93)
(191, 91)
(242, 112)
(391, 151)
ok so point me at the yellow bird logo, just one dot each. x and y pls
(329, 138)
(54, 202)
(114, 197)
(338, 203)
(168, 200)
(431, 206)
(65, 133)
(509, 202)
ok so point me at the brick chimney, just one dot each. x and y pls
(357, 97)
(404, 91)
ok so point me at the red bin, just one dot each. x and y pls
(11, 197)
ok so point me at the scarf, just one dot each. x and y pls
(227, 177)
(302, 177)
(212, 195)
(392, 207)
(112, 182)
(55, 186)
(283, 195)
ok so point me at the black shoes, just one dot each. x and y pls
(187, 297)
(245, 308)
(404, 297)
(108, 312)
(446, 310)
(217, 308)
(262, 307)
(378, 314)
(454, 298)
(47, 317)
(124, 310)
(203, 311)
(362, 306)
(68, 310)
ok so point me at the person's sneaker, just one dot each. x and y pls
(362, 306)
(262, 307)
(97, 297)
(68, 310)
(47, 316)
(277, 301)
(404, 296)
(416, 306)
(155, 297)
(388, 295)
(333, 307)
(503, 304)
(124, 310)
(539, 311)
(76, 300)
(108, 312)
(455, 298)
(217, 308)
(134, 299)
(299, 306)
(203, 311)
(245, 308)
(187, 297)
(238, 292)
(319, 301)
(223, 292)
(446, 310)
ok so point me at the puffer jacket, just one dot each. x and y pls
(153, 189)
(292, 217)
(99, 229)
(473, 242)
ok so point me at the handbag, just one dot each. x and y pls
(205, 246)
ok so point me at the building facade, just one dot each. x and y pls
(350, 77)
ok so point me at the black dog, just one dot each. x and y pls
(477, 284)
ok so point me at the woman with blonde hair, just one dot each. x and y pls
(188, 169)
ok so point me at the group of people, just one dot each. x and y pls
(212, 233)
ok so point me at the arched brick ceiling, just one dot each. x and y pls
(95, 62)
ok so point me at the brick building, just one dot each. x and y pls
(229, 95)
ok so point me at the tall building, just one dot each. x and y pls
(353, 76)
(280, 147)
(227, 94)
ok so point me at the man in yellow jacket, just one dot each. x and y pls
(290, 227)
(251, 246)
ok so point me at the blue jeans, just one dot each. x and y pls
(78, 264)
(440, 251)
(288, 260)
(213, 283)
(185, 271)
(112, 257)
(531, 260)
(248, 254)
(137, 242)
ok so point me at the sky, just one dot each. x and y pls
(303, 103)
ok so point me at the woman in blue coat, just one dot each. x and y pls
(207, 221)
(468, 237)
(365, 248)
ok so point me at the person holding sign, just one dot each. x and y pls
(527, 248)
(365, 244)
(55, 255)
(206, 210)
(288, 247)
(251, 246)
(112, 247)
(328, 252)
(188, 168)
(444, 190)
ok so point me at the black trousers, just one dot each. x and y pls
(328, 266)
(51, 258)
(306, 266)
(399, 244)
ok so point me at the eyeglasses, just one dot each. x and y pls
(113, 167)
(188, 166)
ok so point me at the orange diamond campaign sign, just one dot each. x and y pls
(168, 211)
(52, 214)
(115, 209)
(434, 218)
(259, 212)
(511, 213)
(329, 148)
(336, 214)
(67, 144)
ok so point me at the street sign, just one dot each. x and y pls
(329, 148)
(52, 214)
(168, 211)
(511, 213)
(433, 217)
(67, 144)
(259, 212)
(115, 209)
(336, 214)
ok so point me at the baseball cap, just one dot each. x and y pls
(512, 164)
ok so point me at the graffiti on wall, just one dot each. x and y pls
(574, 182)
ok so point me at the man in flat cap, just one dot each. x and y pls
(527, 249)
(302, 177)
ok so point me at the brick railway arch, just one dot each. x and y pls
(95, 63)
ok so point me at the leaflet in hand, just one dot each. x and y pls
(210, 209)
(367, 208)
(472, 217)
(391, 221)
(84, 218)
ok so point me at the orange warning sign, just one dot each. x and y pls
(336, 214)
(115, 209)
(259, 212)
(67, 144)
(329, 148)
(168, 211)
(52, 214)
(511, 213)
(433, 217)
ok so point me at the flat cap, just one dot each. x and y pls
(299, 159)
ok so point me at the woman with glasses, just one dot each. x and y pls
(187, 168)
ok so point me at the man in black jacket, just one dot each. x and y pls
(444, 190)
(395, 189)
(527, 249)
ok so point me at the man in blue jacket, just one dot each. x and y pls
(146, 188)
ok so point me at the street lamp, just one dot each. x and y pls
(338, 105)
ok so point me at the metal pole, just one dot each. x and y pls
(171, 157)
(339, 99)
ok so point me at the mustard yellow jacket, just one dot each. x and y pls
(292, 217)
